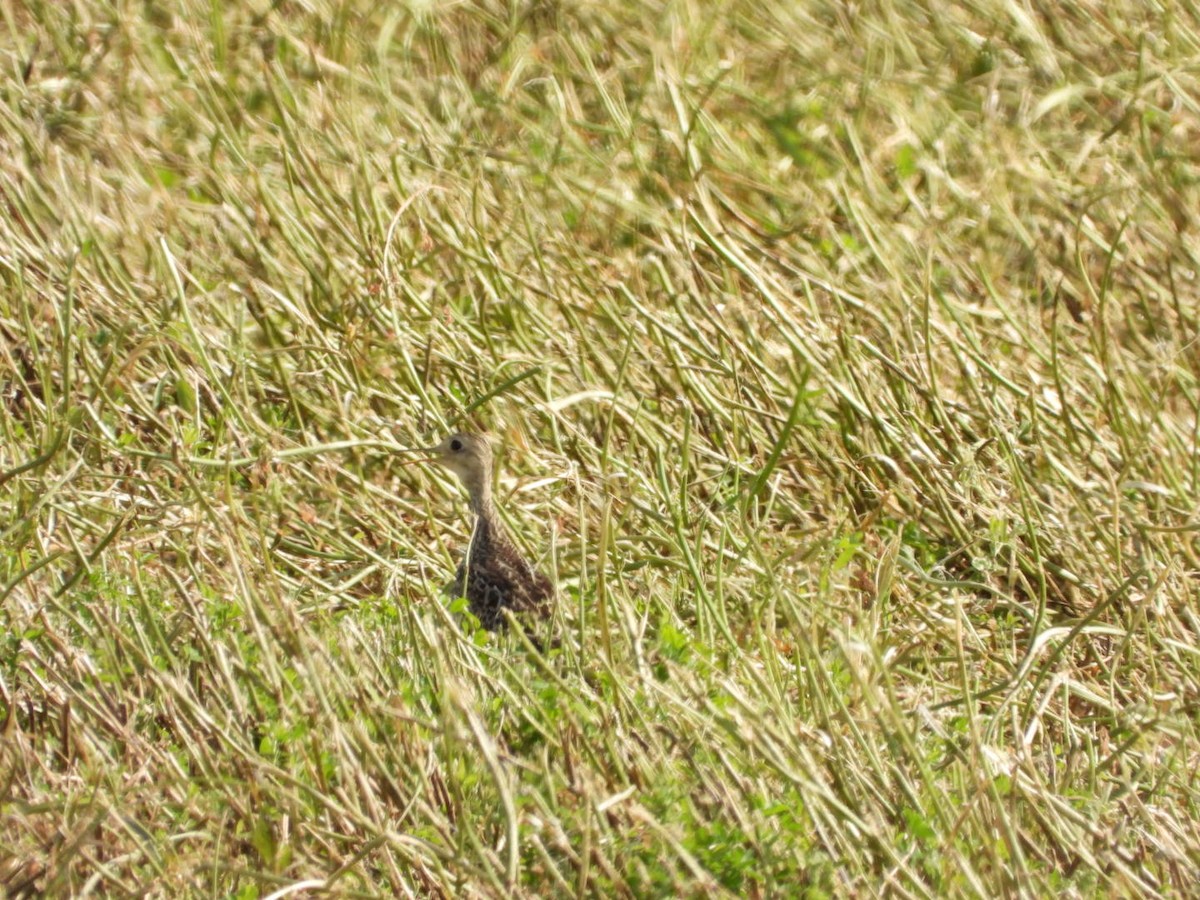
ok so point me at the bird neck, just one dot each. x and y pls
(486, 529)
(481, 499)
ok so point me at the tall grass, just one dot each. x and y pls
(844, 363)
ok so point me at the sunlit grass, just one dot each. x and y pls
(843, 365)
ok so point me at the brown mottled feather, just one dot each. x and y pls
(494, 576)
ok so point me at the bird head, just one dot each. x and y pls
(467, 455)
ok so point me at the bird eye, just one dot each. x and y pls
(456, 445)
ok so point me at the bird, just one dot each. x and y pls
(493, 575)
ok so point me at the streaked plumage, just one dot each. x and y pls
(493, 575)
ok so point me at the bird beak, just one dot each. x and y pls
(422, 459)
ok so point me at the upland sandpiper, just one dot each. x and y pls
(493, 575)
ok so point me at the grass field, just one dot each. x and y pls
(843, 363)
